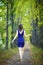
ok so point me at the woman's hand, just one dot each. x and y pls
(26, 35)
(29, 34)
(12, 41)
(15, 37)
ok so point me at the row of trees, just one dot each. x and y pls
(37, 24)
(8, 7)
(27, 12)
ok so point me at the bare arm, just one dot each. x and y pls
(15, 36)
(26, 35)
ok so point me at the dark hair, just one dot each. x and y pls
(20, 27)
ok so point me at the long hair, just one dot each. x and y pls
(20, 27)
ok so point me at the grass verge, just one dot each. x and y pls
(7, 54)
(37, 55)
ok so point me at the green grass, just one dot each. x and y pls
(37, 55)
(7, 54)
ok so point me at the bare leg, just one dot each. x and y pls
(20, 53)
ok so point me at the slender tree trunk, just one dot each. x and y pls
(12, 23)
(7, 28)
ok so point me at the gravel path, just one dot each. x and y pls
(27, 57)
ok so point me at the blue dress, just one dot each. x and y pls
(20, 39)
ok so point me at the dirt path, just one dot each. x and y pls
(27, 57)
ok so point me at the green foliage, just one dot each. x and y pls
(24, 12)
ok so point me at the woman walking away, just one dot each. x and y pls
(20, 35)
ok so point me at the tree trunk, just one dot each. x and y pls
(12, 23)
(7, 28)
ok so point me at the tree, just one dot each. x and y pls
(12, 21)
(7, 26)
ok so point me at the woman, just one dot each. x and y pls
(20, 35)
